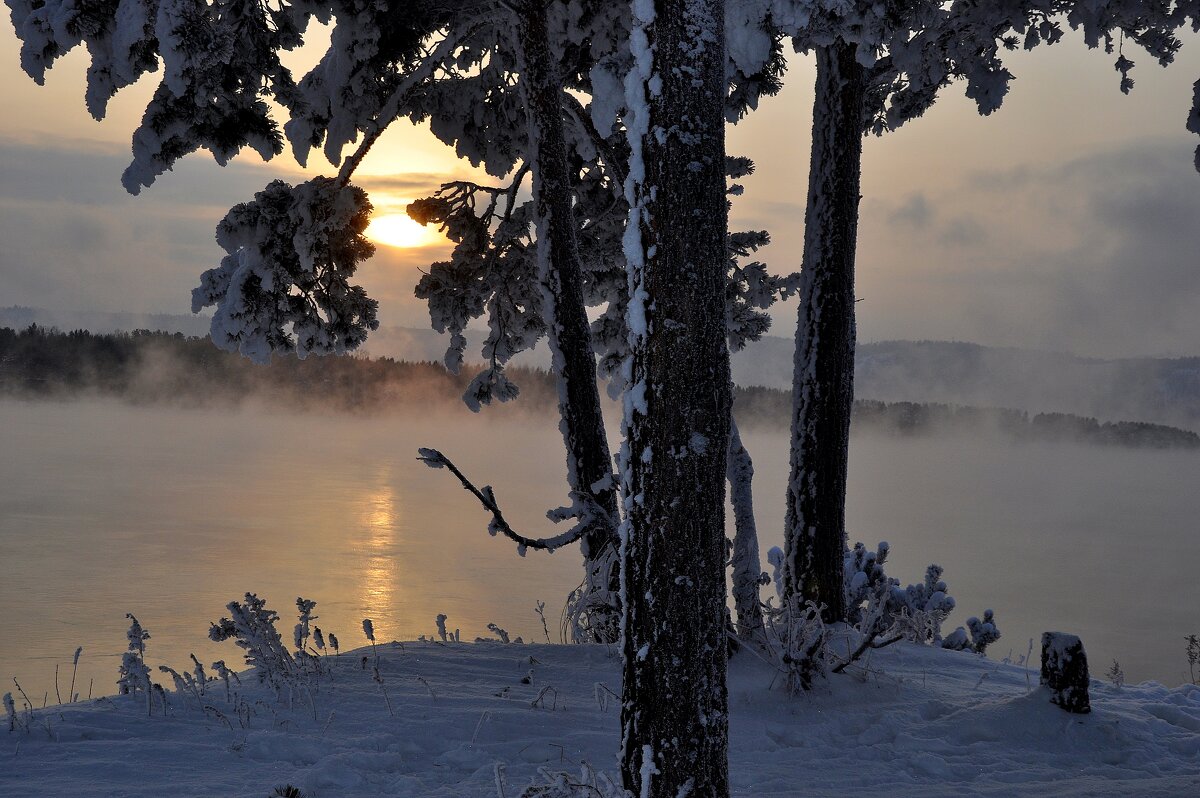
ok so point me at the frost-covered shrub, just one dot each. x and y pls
(551, 784)
(875, 603)
(796, 641)
(251, 626)
(982, 634)
(957, 640)
(1116, 675)
(863, 577)
(918, 610)
(133, 676)
(927, 603)
(10, 710)
(301, 633)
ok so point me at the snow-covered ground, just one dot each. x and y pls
(918, 721)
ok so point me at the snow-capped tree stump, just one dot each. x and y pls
(1065, 671)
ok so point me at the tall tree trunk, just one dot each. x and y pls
(589, 463)
(674, 723)
(823, 387)
(747, 567)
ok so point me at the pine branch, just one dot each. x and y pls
(581, 116)
(391, 109)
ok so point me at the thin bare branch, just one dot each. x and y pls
(435, 459)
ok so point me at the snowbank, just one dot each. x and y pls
(920, 721)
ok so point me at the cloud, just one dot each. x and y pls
(412, 185)
(1096, 255)
(914, 212)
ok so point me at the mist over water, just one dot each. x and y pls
(107, 508)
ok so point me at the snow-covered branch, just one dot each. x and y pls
(585, 510)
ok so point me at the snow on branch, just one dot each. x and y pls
(284, 285)
(585, 509)
(491, 272)
(395, 104)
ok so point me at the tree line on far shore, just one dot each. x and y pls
(151, 367)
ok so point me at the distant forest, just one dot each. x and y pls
(144, 367)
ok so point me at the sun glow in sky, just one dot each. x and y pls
(398, 230)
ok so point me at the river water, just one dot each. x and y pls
(170, 514)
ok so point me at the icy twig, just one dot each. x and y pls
(540, 700)
(74, 670)
(586, 510)
(487, 715)
(540, 609)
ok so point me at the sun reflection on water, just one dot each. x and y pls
(378, 522)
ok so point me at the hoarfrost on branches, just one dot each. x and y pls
(285, 284)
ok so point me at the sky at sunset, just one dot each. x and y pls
(1069, 220)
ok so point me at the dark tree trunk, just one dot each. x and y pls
(747, 567)
(823, 387)
(674, 720)
(589, 462)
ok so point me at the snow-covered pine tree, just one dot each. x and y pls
(878, 66)
(527, 290)
(490, 271)
(284, 284)
(674, 722)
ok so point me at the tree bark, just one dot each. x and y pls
(823, 387)
(747, 567)
(589, 463)
(677, 408)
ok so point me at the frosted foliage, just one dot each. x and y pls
(284, 286)
(133, 675)
(491, 272)
(914, 48)
(918, 610)
(478, 109)
(983, 632)
(251, 625)
(221, 65)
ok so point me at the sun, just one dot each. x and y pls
(397, 230)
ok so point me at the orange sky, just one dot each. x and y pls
(1064, 221)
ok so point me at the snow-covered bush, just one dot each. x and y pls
(878, 613)
(918, 610)
(1116, 675)
(796, 641)
(982, 634)
(863, 578)
(10, 710)
(302, 631)
(558, 784)
(133, 674)
(251, 626)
